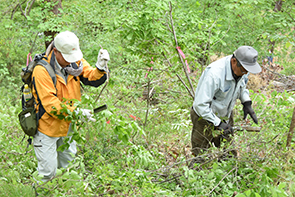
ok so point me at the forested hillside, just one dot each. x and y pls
(140, 145)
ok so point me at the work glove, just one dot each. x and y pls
(225, 128)
(247, 108)
(102, 59)
(86, 113)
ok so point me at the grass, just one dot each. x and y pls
(154, 164)
(14, 190)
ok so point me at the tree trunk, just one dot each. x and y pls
(50, 34)
(291, 130)
(278, 6)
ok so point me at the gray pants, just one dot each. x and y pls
(49, 159)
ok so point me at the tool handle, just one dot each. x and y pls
(240, 128)
(99, 109)
(247, 128)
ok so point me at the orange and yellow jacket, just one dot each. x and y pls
(48, 96)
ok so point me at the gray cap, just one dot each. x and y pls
(247, 56)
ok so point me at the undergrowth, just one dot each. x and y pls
(123, 154)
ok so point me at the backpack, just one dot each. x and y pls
(28, 117)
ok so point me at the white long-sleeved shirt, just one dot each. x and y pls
(217, 91)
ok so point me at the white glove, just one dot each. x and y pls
(102, 58)
(85, 113)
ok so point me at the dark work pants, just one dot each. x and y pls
(202, 137)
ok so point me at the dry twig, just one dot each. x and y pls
(190, 92)
(176, 43)
(221, 181)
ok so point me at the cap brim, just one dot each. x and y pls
(73, 57)
(253, 68)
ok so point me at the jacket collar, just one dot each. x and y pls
(229, 75)
(56, 68)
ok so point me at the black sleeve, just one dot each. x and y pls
(95, 83)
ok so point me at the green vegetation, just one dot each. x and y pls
(139, 147)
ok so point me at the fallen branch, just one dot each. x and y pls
(247, 128)
(221, 181)
(276, 73)
(171, 179)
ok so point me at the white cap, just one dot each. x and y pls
(68, 44)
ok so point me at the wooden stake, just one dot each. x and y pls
(291, 130)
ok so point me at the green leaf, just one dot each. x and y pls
(282, 185)
(288, 44)
(257, 195)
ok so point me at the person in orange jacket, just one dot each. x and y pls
(66, 58)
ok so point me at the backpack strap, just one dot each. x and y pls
(51, 73)
(49, 69)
